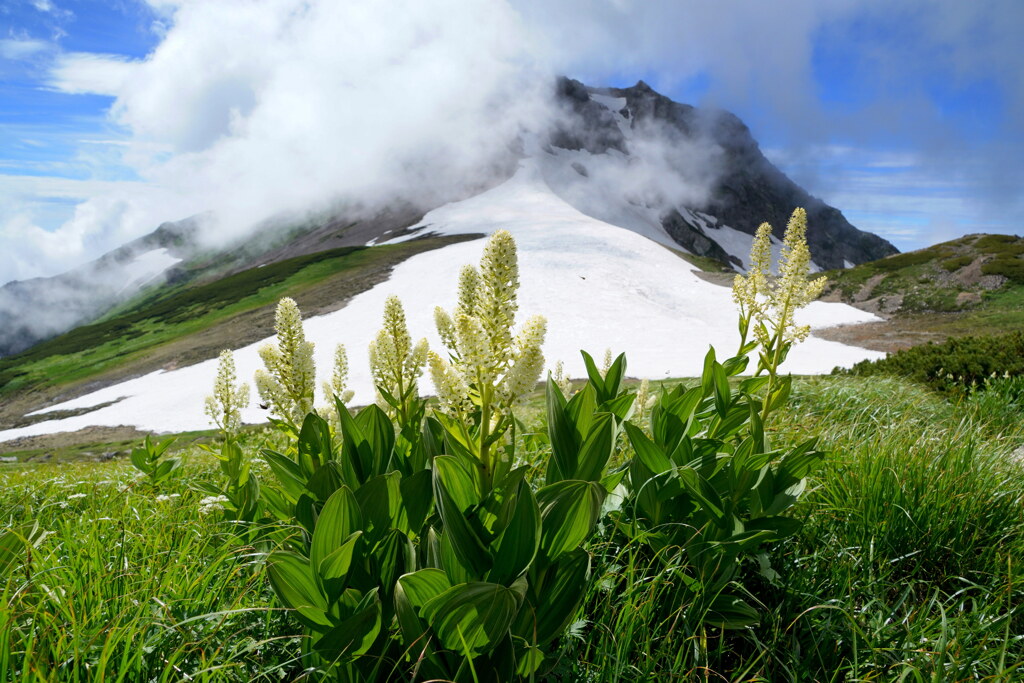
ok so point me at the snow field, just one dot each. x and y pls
(600, 286)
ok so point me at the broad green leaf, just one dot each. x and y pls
(492, 515)
(621, 406)
(554, 602)
(723, 397)
(707, 377)
(596, 449)
(393, 557)
(292, 580)
(613, 378)
(380, 500)
(458, 481)
(412, 592)
(314, 445)
(380, 436)
(562, 434)
(649, 454)
(326, 480)
(358, 459)
(515, 548)
(569, 510)
(592, 372)
(355, 635)
(287, 473)
(340, 517)
(471, 618)
(464, 544)
(731, 612)
(334, 569)
(417, 500)
(698, 487)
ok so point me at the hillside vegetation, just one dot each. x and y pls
(175, 326)
(749, 528)
(973, 285)
(953, 276)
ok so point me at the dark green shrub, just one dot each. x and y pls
(957, 263)
(1010, 268)
(956, 364)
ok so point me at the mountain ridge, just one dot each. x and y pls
(746, 190)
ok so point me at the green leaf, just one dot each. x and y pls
(358, 459)
(412, 592)
(553, 603)
(707, 378)
(515, 548)
(417, 499)
(597, 448)
(287, 473)
(458, 481)
(464, 543)
(340, 517)
(731, 612)
(380, 436)
(314, 445)
(592, 372)
(613, 378)
(649, 454)
(471, 618)
(723, 397)
(292, 579)
(354, 636)
(562, 434)
(326, 480)
(569, 510)
(393, 557)
(380, 499)
(705, 495)
(334, 569)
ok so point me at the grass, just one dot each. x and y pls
(909, 566)
(90, 350)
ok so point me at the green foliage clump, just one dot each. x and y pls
(1010, 268)
(957, 263)
(956, 364)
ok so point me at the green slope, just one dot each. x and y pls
(182, 324)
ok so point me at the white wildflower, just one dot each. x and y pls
(224, 406)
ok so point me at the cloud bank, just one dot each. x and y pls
(272, 107)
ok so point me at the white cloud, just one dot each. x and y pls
(88, 73)
(254, 109)
(268, 106)
(17, 49)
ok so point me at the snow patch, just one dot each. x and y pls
(600, 286)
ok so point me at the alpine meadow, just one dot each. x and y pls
(511, 341)
(744, 525)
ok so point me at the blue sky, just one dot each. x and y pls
(907, 115)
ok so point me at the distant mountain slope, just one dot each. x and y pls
(598, 285)
(951, 276)
(968, 286)
(687, 178)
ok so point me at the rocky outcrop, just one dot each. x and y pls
(748, 188)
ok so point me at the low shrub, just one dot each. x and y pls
(955, 365)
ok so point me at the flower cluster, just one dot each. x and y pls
(339, 378)
(487, 366)
(287, 384)
(396, 363)
(561, 380)
(212, 504)
(770, 305)
(224, 406)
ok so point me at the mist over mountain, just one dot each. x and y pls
(692, 179)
